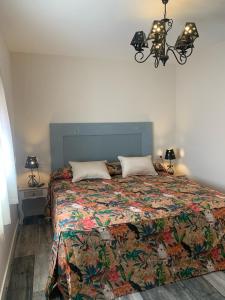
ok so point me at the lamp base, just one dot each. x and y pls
(170, 170)
(32, 182)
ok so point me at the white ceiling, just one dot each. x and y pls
(100, 28)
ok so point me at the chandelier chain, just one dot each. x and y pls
(165, 12)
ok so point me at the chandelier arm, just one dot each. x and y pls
(184, 55)
(170, 25)
(181, 60)
(168, 45)
(156, 63)
(142, 59)
(190, 52)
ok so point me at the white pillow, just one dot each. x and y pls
(89, 169)
(137, 166)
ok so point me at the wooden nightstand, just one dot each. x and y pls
(32, 201)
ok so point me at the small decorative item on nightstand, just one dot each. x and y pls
(32, 163)
(32, 201)
(170, 155)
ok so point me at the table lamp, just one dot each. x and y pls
(32, 163)
(170, 155)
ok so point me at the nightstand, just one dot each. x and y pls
(32, 201)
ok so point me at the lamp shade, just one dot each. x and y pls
(170, 155)
(31, 162)
(139, 41)
(158, 31)
(187, 37)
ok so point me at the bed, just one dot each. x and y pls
(119, 236)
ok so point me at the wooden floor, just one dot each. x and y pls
(30, 271)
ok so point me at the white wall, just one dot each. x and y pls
(63, 89)
(200, 126)
(5, 241)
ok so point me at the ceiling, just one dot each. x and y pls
(100, 28)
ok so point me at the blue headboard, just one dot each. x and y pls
(98, 141)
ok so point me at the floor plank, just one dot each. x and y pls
(169, 292)
(40, 272)
(45, 238)
(38, 296)
(217, 280)
(21, 281)
(135, 296)
(27, 240)
(42, 257)
(201, 289)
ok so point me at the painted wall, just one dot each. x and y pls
(63, 89)
(200, 110)
(5, 241)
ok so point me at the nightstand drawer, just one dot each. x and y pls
(33, 193)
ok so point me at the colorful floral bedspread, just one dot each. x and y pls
(115, 237)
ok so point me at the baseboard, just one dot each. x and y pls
(7, 273)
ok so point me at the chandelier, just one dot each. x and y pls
(160, 49)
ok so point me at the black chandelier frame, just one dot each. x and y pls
(160, 47)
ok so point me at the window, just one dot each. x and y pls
(8, 186)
